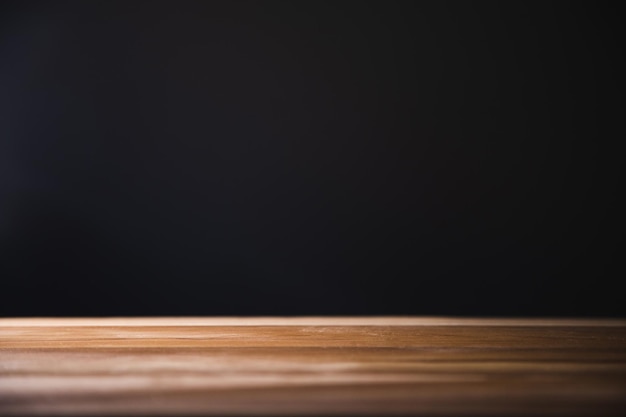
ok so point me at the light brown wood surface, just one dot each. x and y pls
(313, 366)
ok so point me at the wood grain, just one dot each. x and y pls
(313, 366)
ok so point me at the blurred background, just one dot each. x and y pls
(262, 157)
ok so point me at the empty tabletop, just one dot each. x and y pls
(421, 366)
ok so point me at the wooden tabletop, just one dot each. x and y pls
(313, 366)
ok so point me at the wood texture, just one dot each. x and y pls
(313, 366)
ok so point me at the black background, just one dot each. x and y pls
(208, 158)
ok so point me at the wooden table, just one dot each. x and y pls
(313, 366)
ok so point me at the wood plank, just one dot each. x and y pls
(313, 366)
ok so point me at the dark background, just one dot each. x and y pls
(208, 158)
